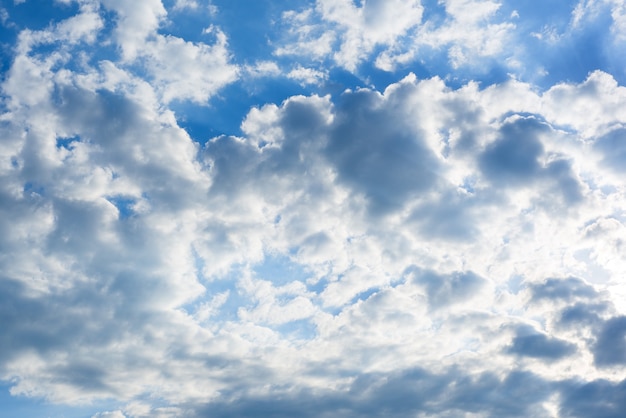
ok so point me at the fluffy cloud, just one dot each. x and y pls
(356, 28)
(467, 38)
(333, 187)
(418, 250)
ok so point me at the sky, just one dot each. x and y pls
(312, 208)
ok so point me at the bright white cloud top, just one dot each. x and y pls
(317, 208)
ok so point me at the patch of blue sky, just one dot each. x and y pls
(369, 75)
(7, 40)
(318, 286)
(124, 205)
(515, 284)
(575, 56)
(252, 26)
(12, 406)
(38, 14)
(485, 75)
(66, 142)
(188, 24)
(435, 62)
(301, 329)
(277, 269)
(223, 116)
(434, 12)
(32, 188)
(469, 183)
(280, 270)
(44, 16)
(340, 80)
(364, 295)
(532, 16)
(228, 283)
(105, 50)
(557, 51)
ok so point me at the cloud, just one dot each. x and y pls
(582, 313)
(302, 158)
(478, 39)
(530, 343)
(593, 105)
(413, 391)
(450, 289)
(514, 158)
(356, 29)
(430, 248)
(601, 398)
(611, 146)
(610, 346)
(136, 23)
(189, 71)
(180, 70)
(395, 32)
(362, 146)
(109, 414)
(567, 289)
(307, 75)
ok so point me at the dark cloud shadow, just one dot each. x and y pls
(377, 154)
(610, 346)
(597, 399)
(588, 314)
(613, 148)
(513, 159)
(530, 343)
(412, 392)
(517, 159)
(444, 290)
(567, 289)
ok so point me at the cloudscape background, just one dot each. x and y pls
(330, 208)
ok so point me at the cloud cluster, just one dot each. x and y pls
(418, 250)
(461, 39)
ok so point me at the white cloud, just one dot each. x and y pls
(307, 75)
(358, 29)
(459, 39)
(110, 414)
(594, 106)
(263, 69)
(82, 27)
(186, 4)
(137, 22)
(189, 71)
(444, 243)
(352, 33)
(180, 70)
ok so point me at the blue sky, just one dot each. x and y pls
(322, 208)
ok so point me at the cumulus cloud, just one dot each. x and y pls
(307, 75)
(421, 249)
(109, 414)
(610, 348)
(357, 29)
(530, 343)
(467, 37)
(180, 69)
(355, 162)
(562, 289)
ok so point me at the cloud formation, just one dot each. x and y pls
(440, 247)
